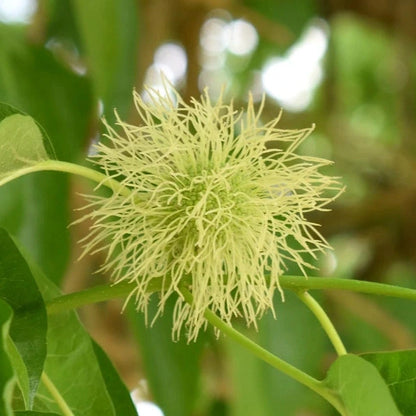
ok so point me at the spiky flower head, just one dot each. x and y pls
(216, 202)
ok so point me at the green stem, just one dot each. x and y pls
(59, 400)
(59, 166)
(324, 320)
(84, 297)
(265, 355)
(95, 294)
(296, 283)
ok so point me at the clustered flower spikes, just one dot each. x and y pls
(213, 204)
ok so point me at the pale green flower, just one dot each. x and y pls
(214, 206)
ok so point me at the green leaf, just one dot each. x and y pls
(33, 80)
(30, 413)
(21, 143)
(120, 396)
(291, 15)
(248, 381)
(61, 25)
(296, 336)
(360, 387)
(398, 368)
(7, 110)
(108, 30)
(172, 368)
(35, 209)
(28, 327)
(71, 351)
(7, 377)
(78, 368)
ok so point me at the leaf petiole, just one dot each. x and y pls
(324, 320)
(295, 283)
(59, 400)
(73, 168)
(315, 385)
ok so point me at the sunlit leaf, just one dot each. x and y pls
(360, 387)
(21, 143)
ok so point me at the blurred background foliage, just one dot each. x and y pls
(348, 66)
